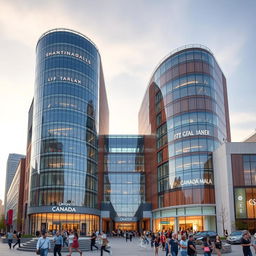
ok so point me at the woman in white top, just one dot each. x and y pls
(183, 246)
(70, 241)
(43, 244)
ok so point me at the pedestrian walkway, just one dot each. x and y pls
(119, 248)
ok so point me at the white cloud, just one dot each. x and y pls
(242, 124)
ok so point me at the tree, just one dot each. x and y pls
(224, 217)
(2, 223)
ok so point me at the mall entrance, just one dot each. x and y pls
(129, 226)
(67, 226)
(84, 224)
(164, 224)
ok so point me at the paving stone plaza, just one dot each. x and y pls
(119, 247)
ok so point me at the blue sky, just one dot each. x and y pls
(132, 36)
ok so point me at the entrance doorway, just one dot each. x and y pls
(126, 226)
(191, 223)
(64, 226)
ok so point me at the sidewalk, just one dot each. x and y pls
(119, 247)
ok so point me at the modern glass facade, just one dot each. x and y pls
(124, 177)
(188, 112)
(80, 177)
(65, 123)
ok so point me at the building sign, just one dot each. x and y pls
(63, 208)
(125, 219)
(68, 53)
(64, 78)
(196, 182)
(188, 133)
(252, 202)
(240, 201)
(165, 222)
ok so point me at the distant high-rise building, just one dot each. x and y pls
(11, 167)
(1, 208)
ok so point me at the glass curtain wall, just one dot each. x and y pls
(124, 178)
(191, 123)
(65, 120)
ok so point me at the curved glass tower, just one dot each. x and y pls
(63, 177)
(188, 112)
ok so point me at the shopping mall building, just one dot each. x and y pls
(167, 177)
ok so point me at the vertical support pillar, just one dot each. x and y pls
(176, 225)
(100, 224)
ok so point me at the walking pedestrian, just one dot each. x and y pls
(218, 245)
(9, 238)
(153, 237)
(93, 241)
(75, 245)
(126, 236)
(207, 246)
(58, 243)
(174, 245)
(246, 243)
(191, 246)
(183, 245)
(163, 240)
(43, 245)
(70, 241)
(157, 244)
(104, 244)
(130, 234)
(18, 236)
(65, 238)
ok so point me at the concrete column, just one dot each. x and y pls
(176, 225)
(100, 224)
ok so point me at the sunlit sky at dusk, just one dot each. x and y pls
(132, 37)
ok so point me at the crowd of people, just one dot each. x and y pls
(184, 242)
(173, 244)
(70, 239)
(170, 242)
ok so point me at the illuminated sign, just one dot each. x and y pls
(240, 203)
(196, 182)
(68, 53)
(64, 78)
(191, 133)
(125, 219)
(63, 208)
(252, 202)
(165, 222)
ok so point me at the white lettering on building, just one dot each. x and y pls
(68, 53)
(64, 78)
(196, 182)
(252, 201)
(125, 219)
(188, 133)
(63, 209)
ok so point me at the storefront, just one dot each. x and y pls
(177, 219)
(126, 226)
(83, 223)
(245, 208)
